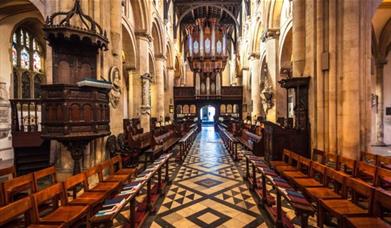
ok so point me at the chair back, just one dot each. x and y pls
(304, 164)
(381, 202)
(318, 169)
(52, 193)
(106, 166)
(336, 180)
(383, 161)
(368, 158)
(8, 171)
(295, 159)
(286, 156)
(318, 156)
(331, 160)
(93, 172)
(362, 189)
(13, 210)
(16, 186)
(47, 173)
(365, 171)
(346, 165)
(117, 162)
(383, 178)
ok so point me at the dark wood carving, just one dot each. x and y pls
(70, 114)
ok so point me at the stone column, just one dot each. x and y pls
(143, 40)
(160, 65)
(170, 101)
(255, 67)
(380, 104)
(145, 101)
(298, 37)
(246, 92)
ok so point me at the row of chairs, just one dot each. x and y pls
(343, 188)
(72, 202)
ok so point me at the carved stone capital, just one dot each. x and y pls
(146, 76)
(270, 34)
(145, 109)
(144, 35)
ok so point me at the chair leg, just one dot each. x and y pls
(321, 215)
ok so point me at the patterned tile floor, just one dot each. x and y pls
(208, 191)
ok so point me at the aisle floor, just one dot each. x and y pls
(208, 190)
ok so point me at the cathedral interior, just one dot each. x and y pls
(195, 113)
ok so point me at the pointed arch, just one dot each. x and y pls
(129, 46)
(158, 38)
(141, 19)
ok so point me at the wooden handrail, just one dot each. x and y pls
(22, 109)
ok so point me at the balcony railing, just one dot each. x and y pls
(227, 92)
(26, 115)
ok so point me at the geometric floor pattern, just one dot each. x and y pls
(208, 191)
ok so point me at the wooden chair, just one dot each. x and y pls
(47, 173)
(346, 165)
(70, 215)
(365, 172)
(383, 178)
(315, 179)
(9, 171)
(384, 161)
(107, 166)
(100, 186)
(331, 160)
(18, 187)
(286, 154)
(293, 166)
(381, 203)
(318, 156)
(78, 183)
(117, 162)
(340, 208)
(15, 209)
(369, 158)
(303, 166)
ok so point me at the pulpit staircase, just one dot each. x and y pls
(31, 152)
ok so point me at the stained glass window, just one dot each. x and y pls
(24, 59)
(27, 60)
(14, 55)
(37, 62)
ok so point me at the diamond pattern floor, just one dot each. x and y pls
(208, 191)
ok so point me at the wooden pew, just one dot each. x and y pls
(316, 177)
(69, 215)
(383, 178)
(365, 172)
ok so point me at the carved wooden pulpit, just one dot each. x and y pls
(74, 113)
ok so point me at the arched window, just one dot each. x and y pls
(27, 62)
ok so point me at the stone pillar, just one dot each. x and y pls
(255, 67)
(380, 104)
(298, 37)
(143, 40)
(160, 65)
(146, 101)
(246, 94)
(170, 101)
